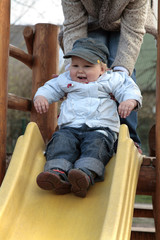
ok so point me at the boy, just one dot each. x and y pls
(89, 122)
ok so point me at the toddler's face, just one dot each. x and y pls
(84, 71)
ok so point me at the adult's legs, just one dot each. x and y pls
(111, 39)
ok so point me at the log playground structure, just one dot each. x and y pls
(42, 58)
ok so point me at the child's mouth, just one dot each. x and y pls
(82, 79)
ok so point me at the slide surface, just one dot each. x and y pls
(30, 213)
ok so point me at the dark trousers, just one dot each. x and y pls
(84, 148)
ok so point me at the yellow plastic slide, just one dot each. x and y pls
(30, 213)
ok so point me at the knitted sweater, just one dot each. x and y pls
(132, 17)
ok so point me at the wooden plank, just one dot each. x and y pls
(143, 228)
(146, 206)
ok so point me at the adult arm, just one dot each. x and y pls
(132, 30)
(133, 19)
(75, 23)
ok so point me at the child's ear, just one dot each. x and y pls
(103, 68)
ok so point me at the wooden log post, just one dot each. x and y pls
(4, 56)
(28, 37)
(45, 63)
(157, 194)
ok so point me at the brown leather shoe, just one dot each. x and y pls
(51, 180)
(80, 182)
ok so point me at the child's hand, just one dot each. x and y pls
(54, 75)
(126, 107)
(41, 104)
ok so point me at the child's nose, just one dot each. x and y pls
(80, 69)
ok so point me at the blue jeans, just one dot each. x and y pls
(111, 40)
(84, 148)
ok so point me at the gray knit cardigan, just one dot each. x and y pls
(132, 17)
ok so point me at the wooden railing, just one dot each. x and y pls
(42, 59)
